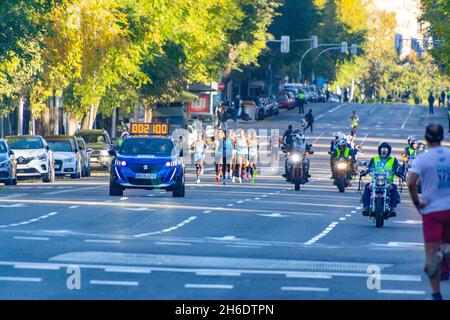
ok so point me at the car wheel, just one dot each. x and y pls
(179, 192)
(115, 189)
(78, 174)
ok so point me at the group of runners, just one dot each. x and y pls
(241, 154)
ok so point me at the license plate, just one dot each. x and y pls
(145, 176)
(94, 159)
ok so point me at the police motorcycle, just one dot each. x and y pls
(341, 167)
(380, 190)
(297, 164)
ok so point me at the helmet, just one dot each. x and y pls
(384, 149)
(421, 146)
(342, 143)
(410, 138)
(124, 135)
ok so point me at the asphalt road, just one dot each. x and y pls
(239, 241)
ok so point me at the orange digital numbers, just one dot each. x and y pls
(149, 129)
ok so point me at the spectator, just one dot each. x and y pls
(237, 107)
(327, 93)
(442, 99)
(431, 100)
(309, 118)
(432, 169)
(300, 100)
(221, 115)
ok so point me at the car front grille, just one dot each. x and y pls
(144, 182)
(30, 170)
(58, 164)
(145, 168)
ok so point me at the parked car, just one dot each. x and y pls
(261, 106)
(8, 165)
(291, 97)
(321, 96)
(34, 157)
(68, 158)
(275, 106)
(85, 156)
(98, 143)
(284, 101)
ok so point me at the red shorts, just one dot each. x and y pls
(436, 227)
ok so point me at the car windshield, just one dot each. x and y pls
(61, 145)
(204, 119)
(94, 137)
(146, 146)
(2, 147)
(20, 143)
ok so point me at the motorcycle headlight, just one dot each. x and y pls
(380, 181)
(42, 157)
(342, 165)
(296, 158)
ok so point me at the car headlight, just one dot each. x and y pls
(104, 153)
(4, 164)
(70, 160)
(380, 180)
(42, 157)
(342, 165)
(296, 158)
(120, 163)
(171, 164)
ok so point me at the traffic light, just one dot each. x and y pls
(354, 49)
(344, 47)
(285, 44)
(314, 42)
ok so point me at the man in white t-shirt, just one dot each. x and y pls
(433, 170)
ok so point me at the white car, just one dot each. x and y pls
(34, 157)
(67, 154)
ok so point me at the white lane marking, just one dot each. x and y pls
(337, 108)
(353, 212)
(242, 246)
(31, 238)
(348, 215)
(240, 201)
(20, 279)
(409, 222)
(208, 286)
(207, 211)
(225, 238)
(273, 215)
(218, 273)
(73, 207)
(319, 117)
(128, 270)
(401, 291)
(257, 198)
(139, 209)
(342, 219)
(29, 221)
(404, 244)
(124, 198)
(373, 109)
(264, 195)
(168, 229)
(101, 241)
(218, 208)
(16, 205)
(409, 114)
(72, 190)
(358, 208)
(308, 275)
(36, 266)
(315, 289)
(173, 243)
(114, 283)
(150, 195)
(330, 227)
(230, 205)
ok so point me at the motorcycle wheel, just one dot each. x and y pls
(379, 219)
(341, 184)
(297, 179)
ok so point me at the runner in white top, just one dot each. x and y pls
(433, 170)
(253, 155)
(199, 155)
(242, 152)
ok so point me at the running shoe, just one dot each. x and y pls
(233, 179)
(217, 180)
(252, 180)
(240, 180)
(198, 180)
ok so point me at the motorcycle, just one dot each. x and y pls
(341, 168)
(298, 167)
(380, 189)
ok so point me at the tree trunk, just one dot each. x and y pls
(20, 106)
(71, 124)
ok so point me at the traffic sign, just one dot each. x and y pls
(221, 86)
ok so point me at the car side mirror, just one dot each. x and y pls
(112, 152)
(47, 148)
(181, 153)
(11, 153)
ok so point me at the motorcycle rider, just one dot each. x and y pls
(288, 139)
(421, 147)
(354, 119)
(300, 147)
(342, 151)
(383, 163)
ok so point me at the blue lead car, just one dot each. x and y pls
(147, 163)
